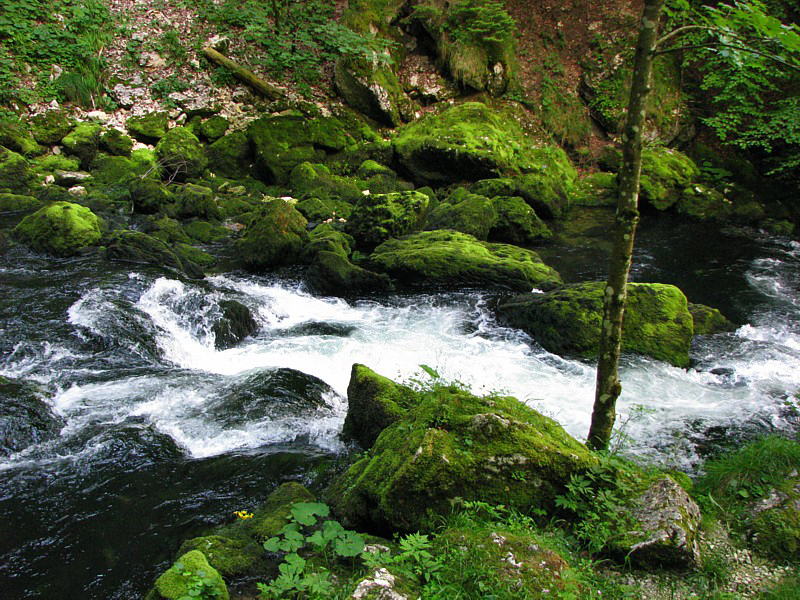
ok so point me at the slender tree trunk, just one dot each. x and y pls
(608, 385)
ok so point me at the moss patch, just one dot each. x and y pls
(376, 218)
(181, 154)
(62, 229)
(275, 236)
(17, 203)
(15, 176)
(465, 212)
(177, 581)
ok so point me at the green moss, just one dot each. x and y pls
(205, 232)
(47, 165)
(665, 174)
(456, 445)
(567, 320)
(231, 156)
(308, 180)
(709, 320)
(595, 189)
(50, 127)
(189, 253)
(270, 517)
(173, 584)
(325, 238)
(704, 203)
(181, 154)
(145, 159)
(49, 194)
(456, 259)
(15, 137)
(329, 134)
(276, 235)
(214, 128)
(108, 170)
(281, 143)
(547, 192)
(115, 142)
(376, 218)
(170, 231)
(83, 142)
(148, 128)
(316, 210)
(332, 274)
(62, 229)
(370, 168)
(139, 248)
(776, 530)
(371, 89)
(196, 201)
(17, 203)
(517, 223)
(465, 212)
(149, 196)
(231, 557)
(15, 176)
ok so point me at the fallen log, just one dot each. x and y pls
(243, 75)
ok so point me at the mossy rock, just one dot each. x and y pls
(148, 128)
(15, 137)
(370, 168)
(235, 324)
(205, 232)
(83, 142)
(139, 248)
(465, 212)
(567, 321)
(170, 231)
(10, 203)
(775, 525)
(329, 134)
(704, 203)
(198, 256)
(317, 210)
(665, 174)
(145, 159)
(708, 321)
(231, 156)
(275, 236)
(595, 189)
(48, 165)
(50, 127)
(517, 223)
(270, 517)
(316, 181)
(230, 557)
(15, 175)
(547, 192)
(181, 154)
(332, 274)
(61, 229)
(376, 218)
(116, 143)
(373, 403)
(471, 141)
(25, 416)
(214, 128)
(109, 170)
(149, 196)
(450, 258)
(456, 445)
(372, 90)
(327, 238)
(196, 201)
(174, 583)
(49, 194)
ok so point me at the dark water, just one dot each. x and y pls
(166, 436)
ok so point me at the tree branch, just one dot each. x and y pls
(733, 47)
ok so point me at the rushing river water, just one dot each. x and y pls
(164, 435)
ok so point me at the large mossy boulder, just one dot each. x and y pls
(149, 196)
(517, 223)
(450, 258)
(176, 582)
(465, 212)
(148, 128)
(276, 235)
(471, 141)
(373, 403)
(15, 175)
(181, 154)
(231, 557)
(316, 181)
(567, 320)
(547, 192)
(456, 445)
(15, 137)
(83, 142)
(332, 274)
(60, 229)
(10, 203)
(139, 248)
(116, 143)
(231, 156)
(269, 518)
(196, 201)
(708, 320)
(378, 217)
(25, 417)
(50, 127)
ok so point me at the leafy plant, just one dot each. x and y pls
(198, 585)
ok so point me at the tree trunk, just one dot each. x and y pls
(608, 385)
(243, 75)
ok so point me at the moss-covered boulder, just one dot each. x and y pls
(49, 164)
(456, 445)
(83, 142)
(205, 232)
(108, 170)
(517, 223)
(270, 517)
(328, 238)
(139, 248)
(332, 274)
(234, 324)
(665, 174)
(149, 196)
(471, 141)
(116, 143)
(15, 175)
(775, 524)
(17, 203)
(317, 210)
(229, 556)
(275, 236)
(180, 579)
(61, 229)
(214, 128)
(15, 137)
(307, 180)
(231, 156)
(25, 417)
(169, 231)
(148, 128)
(376, 218)
(196, 201)
(181, 154)
(373, 403)
(50, 127)
(372, 90)
(547, 191)
(450, 258)
(567, 320)
(708, 320)
(465, 212)
(704, 203)
(595, 189)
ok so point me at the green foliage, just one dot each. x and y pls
(198, 585)
(480, 22)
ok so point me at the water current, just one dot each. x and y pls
(164, 435)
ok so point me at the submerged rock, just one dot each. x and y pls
(61, 229)
(708, 321)
(235, 324)
(140, 248)
(25, 417)
(567, 320)
(451, 258)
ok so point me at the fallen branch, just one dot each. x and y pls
(243, 75)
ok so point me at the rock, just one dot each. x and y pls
(270, 517)
(230, 557)
(196, 201)
(450, 258)
(332, 210)
(115, 142)
(83, 142)
(110, 170)
(67, 179)
(196, 102)
(455, 445)
(471, 141)
(173, 584)
(376, 218)
(517, 223)
(708, 321)
(170, 231)
(546, 192)
(15, 137)
(25, 417)
(181, 154)
(465, 212)
(152, 60)
(664, 529)
(78, 191)
(567, 321)
(206, 233)
(235, 324)
(139, 248)
(10, 203)
(52, 163)
(61, 229)
(332, 274)
(214, 128)
(378, 587)
(326, 238)
(774, 522)
(373, 403)
(15, 175)
(128, 96)
(230, 156)
(219, 43)
(50, 127)
(148, 128)
(276, 235)
(595, 189)
(149, 196)
(370, 168)
(316, 181)
(371, 90)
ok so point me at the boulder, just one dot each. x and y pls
(15, 137)
(517, 223)
(140, 248)
(451, 258)
(456, 445)
(567, 320)
(270, 517)
(370, 89)
(17, 203)
(465, 212)
(376, 218)
(181, 154)
(148, 128)
(116, 143)
(83, 142)
(316, 181)
(196, 201)
(49, 128)
(61, 229)
(327, 238)
(332, 274)
(214, 128)
(205, 232)
(234, 324)
(175, 583)
(25, 417)
(373, 403)
(774, 524)
(230, 557)
(595, 189)
(547, 192)
(708, 321)
(15, 175)
(231, 156)
(149, 196)
(317, 210)
(275, 236)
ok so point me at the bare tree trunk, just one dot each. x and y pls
(608, 385)
(244, 75)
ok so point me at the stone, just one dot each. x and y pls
(275, 236)
(229, 556)
(181, 155)
(139, 248)
(332, 274)
(15, 137)
(214, 128)
(83, 142)
(60, 229)
(517, 223)
(115, 142)
(11, 203)
(196, 201)
(234, 324)
(373, 91)
(25, 417)
(15, 174)
(173, 584)
(708, 321)
(378, 217)
(231, 156)
(67, 179)
(148, 128)
(465, 212)
(149, 196)
(50, 127)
